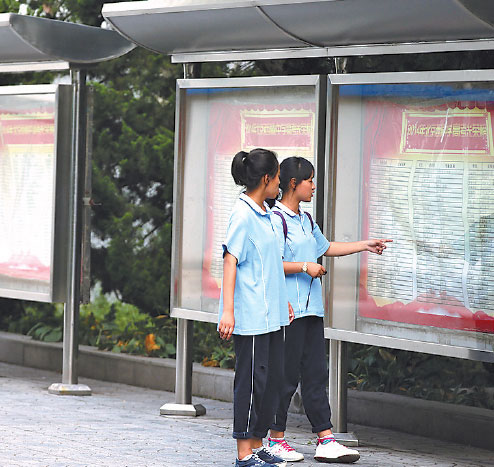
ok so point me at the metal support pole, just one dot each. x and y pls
(183, 374)
(338, 391)
(185, 336)
(69, 385)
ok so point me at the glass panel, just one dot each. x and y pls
(27, 167)
(218, 124)
(420, 170)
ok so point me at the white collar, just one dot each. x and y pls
(288, 210)
(254, 205)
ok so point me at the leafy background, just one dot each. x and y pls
(132, 191)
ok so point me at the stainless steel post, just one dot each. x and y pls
(69, 385)
(183, 374)
(337, 384)
(185, 335)
(338, 355)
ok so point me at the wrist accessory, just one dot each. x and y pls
(304, 267)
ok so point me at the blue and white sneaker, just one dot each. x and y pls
(253, 461)
(267, 456)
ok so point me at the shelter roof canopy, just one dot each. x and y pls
(27, 39)
(202, 26)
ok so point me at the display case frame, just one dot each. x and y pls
(57, 287)
(318, 83)
(337, 327)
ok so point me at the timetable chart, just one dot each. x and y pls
(289, 130)
(440, 215)
(428, 184)
(438, 228)
(480, 283)
(27, 163)
(390, 276)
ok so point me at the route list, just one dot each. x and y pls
(26, 195)
(286, 129)
(435, 198)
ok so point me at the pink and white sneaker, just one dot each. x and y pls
(329, 450)
(279, 447)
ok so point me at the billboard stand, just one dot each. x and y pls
(183, 382)
(338, 356)
(70, 373)
(185, 338)
(40, 44)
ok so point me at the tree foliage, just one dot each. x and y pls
(133, 178)
(133, 145)
(133, 136)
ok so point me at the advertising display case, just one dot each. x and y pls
(413, 161)
(35, 135)
(217, 118)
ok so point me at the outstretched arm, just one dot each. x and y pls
(348, 248)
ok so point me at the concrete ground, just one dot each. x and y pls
(120, 425)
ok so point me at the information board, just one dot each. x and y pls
(288, 130)
(28, 164)
(218, 122)
(428, 183)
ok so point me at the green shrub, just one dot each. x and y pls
(121, 327)
(209, 349)
(420, 375)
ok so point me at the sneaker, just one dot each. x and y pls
(267, 456)
(252, 461)
(280, 448)
(329, 450)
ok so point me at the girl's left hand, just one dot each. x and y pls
(376, 246)
(291, 313)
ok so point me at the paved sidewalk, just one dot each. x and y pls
(120, 425)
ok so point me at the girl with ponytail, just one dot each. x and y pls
(254, 305)
(302, 243)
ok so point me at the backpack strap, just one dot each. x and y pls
(283, 221)
(311, 221)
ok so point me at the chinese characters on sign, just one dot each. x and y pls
(286, 129)
(27, 143)
(432, 190)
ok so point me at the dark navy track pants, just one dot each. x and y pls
(258, 380)
(305, 361)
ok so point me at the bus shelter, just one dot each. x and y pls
(406, 156)
(45, 167)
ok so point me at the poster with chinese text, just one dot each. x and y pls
(27, 144)
(428, 184)
(288, 129)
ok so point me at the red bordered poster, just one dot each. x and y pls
(429, 185)
(27, 142)
(286, 129)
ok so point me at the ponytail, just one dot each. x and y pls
(238, 168)
(249, 168)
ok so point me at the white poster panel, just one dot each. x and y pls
(27, 171)
(426, 163)
(219, 123)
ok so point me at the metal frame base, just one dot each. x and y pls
(186, 410)
(348, 439)
(62, 389)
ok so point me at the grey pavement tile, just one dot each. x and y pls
(120, 426)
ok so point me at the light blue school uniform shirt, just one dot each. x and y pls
(302, 244)
(260, 298)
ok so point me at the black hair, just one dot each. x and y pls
(294, 167)
(249, 168)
